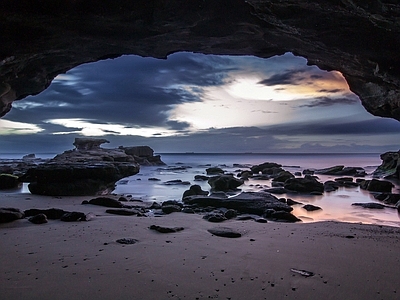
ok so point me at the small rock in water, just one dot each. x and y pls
(310, 207)
(370, 205)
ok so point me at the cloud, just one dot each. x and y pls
(329, 101)
(289, 77)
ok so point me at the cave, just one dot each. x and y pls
(360, 39)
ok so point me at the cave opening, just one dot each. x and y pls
(193, 102)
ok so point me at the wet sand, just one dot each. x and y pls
(82, 260)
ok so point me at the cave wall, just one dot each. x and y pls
(360, 38)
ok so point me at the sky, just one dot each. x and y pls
(199, 103)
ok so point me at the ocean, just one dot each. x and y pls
(335, 205)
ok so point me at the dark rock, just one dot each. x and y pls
(8, 181)
(201, 178)
(155, 205)
(219, 194)
(177, 182)
(215, 216)
(281, 216)
(8, 214)
(342, 171)
(307, 184)
(51, 213)
(310, 207)
(292, 202)
(214, 171)
(331, 186)
(375, 185)
(224, 182)
(86, 170)
(245, 175)
(154, 179)
(127, 241)
(249, 202)
(168, 209)
(308, 172)
(388, 198)
(38, 219)
(172, 202)
(125, 212)
(225, 232)
(73, 216)
(188, 210)
(144, 155)
(371, 205)
(162, 229)
(390, 166)
(276, 190)
(106, 202)
(194, 190)
(282, 176)
(261, 220)
(267, 165)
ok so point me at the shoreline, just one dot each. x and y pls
(83, 260)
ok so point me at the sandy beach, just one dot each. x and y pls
(82, 260)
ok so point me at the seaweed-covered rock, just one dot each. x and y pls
(390, 165)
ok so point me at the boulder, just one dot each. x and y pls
(51, 213)
(214, 171)
(267, 165)
(194, 190)
(144, 155)
(225, 232)
(104, 201)
(388, 198)
(73, 216)
(282, 176)
(38, 219)
(86, 170)
(308, 184)
(342, 171)
(176, 182)
(375, 185)
(371, 205)
(8, 181)
(168, 209)
(390, 166)
(8, 214)
(248, 202)
(224, 182)
(310, 207)
(280, 216)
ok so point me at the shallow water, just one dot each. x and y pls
(335, 205)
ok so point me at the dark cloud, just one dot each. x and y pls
(177, 125)
(327, 101)
(288, 77)
(346, 127)
(331, 91)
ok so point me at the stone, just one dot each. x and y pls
(154, 179)
(176, 182)
(194, 190)
(215, 217)
(281, 216)
(8, 181)
(214, 171)
(86, 170)
(163, 229)
(390, 166)
(168, 209)
(276, 190)
(310, 207)
(106, 202)
(127, 241)
(38, 219)
(267, 165)
(201, 178)
(247, 202)
(282, 176)
(124, 212)
(224, 183)
(224, 232)
(308, 184)
(144, 155)
(292, 202)
(9, 214)
(73, 216)
(387, 198)
(375, 185)
(370, 205)
(51, 213)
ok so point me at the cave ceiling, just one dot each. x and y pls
(359, 38)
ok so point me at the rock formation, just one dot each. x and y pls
(86, 170)
(390, 166)
(359, 38)
(144, 155)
